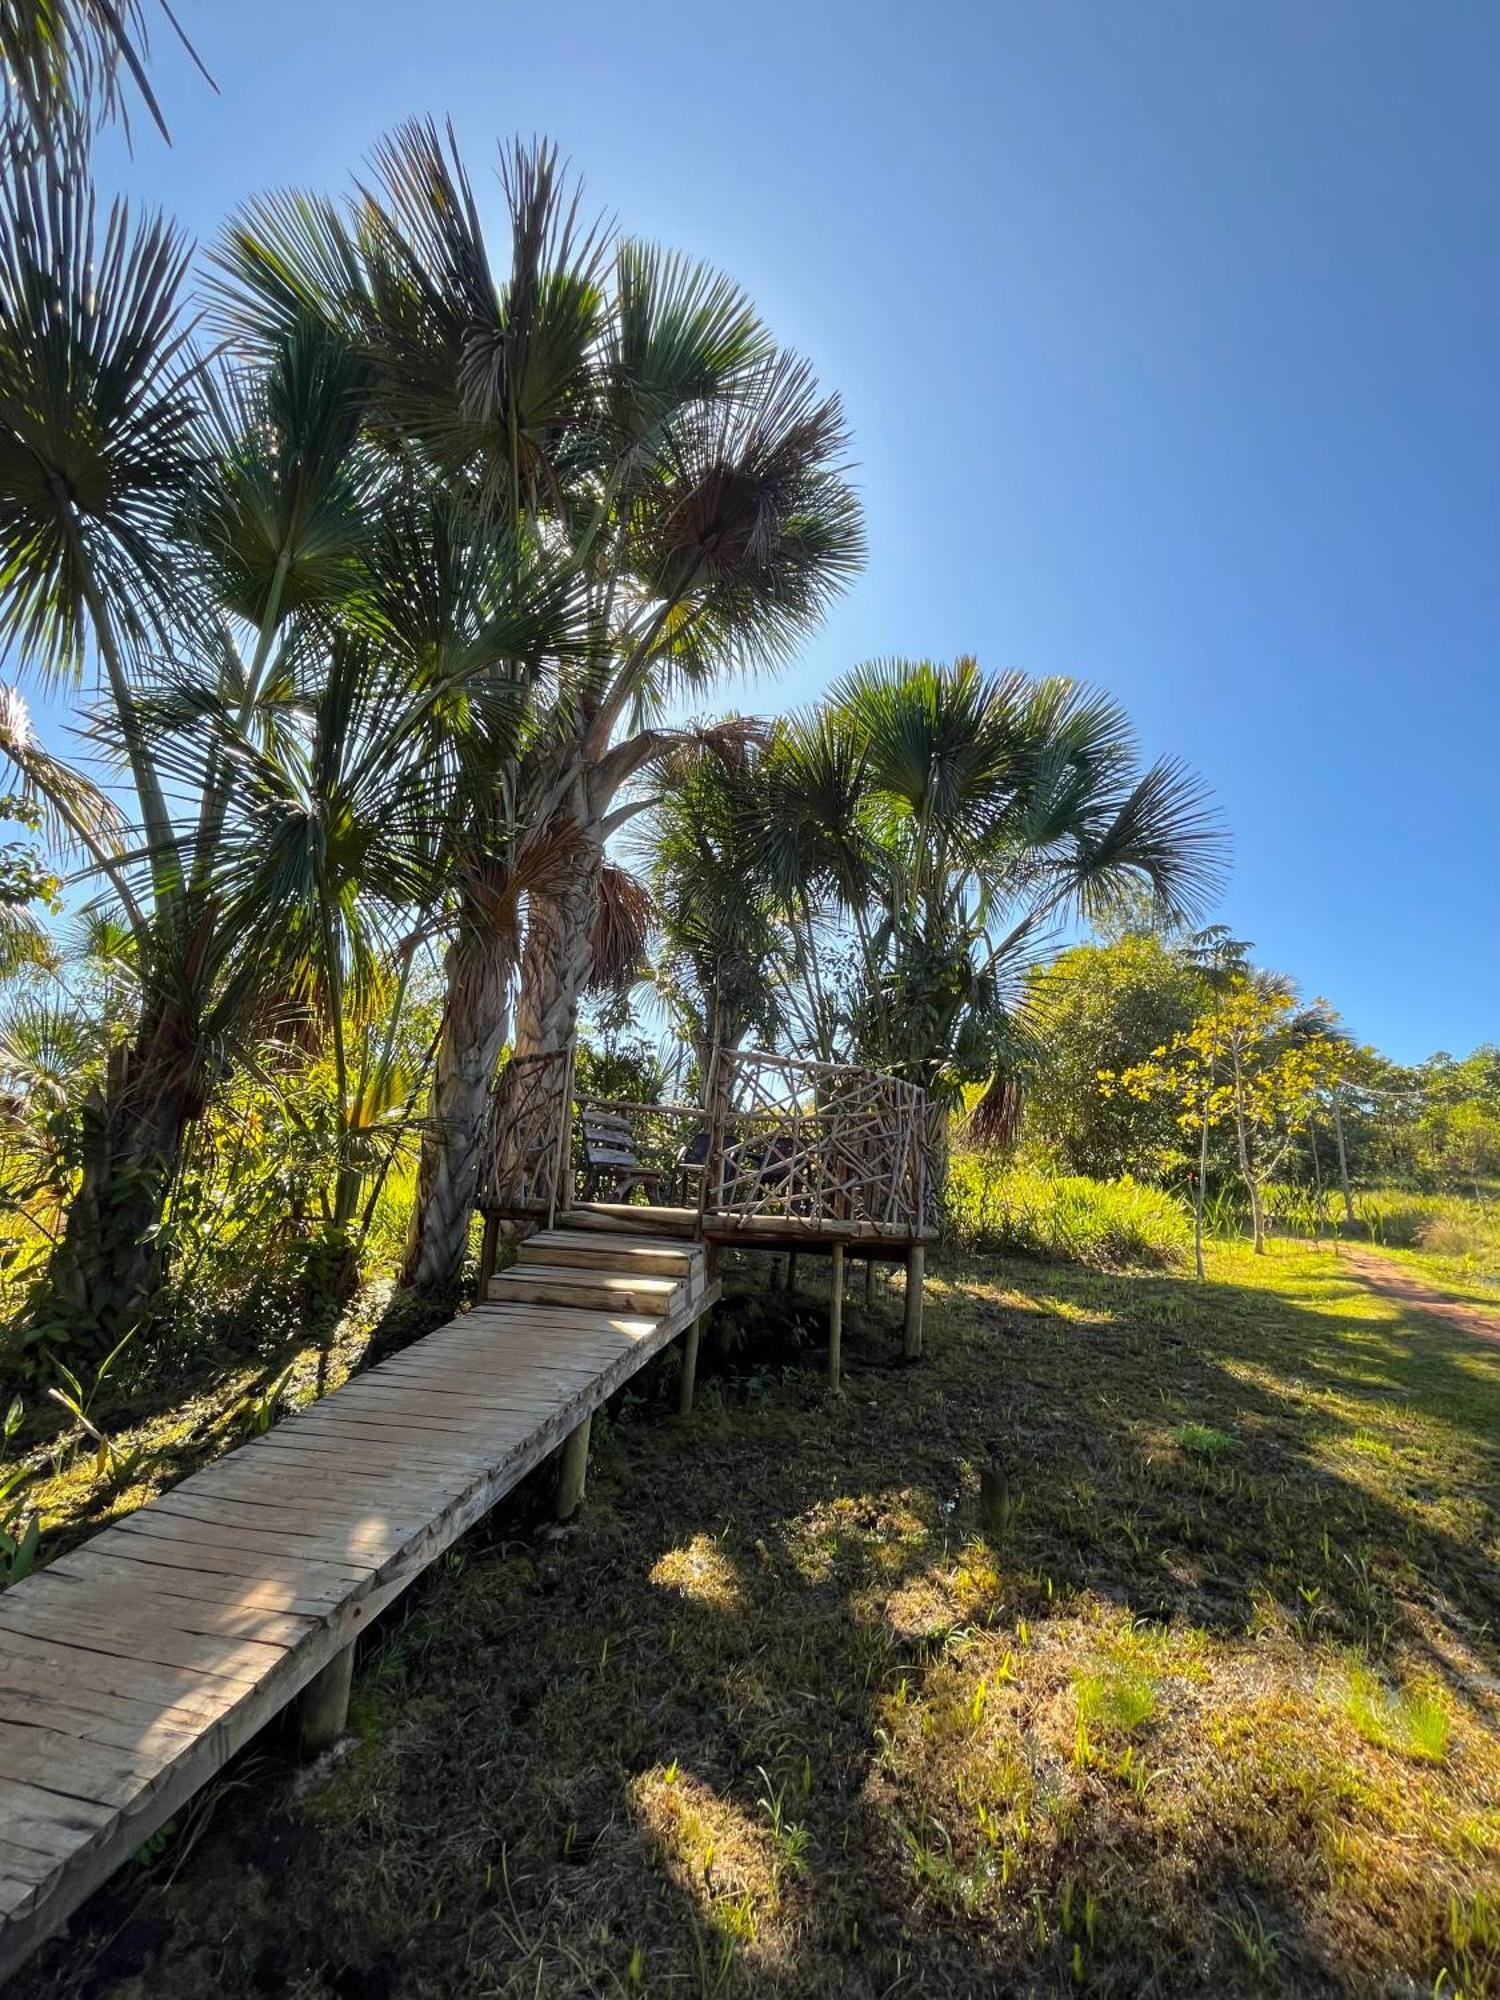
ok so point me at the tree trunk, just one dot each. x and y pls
(104, 1277)
(1247, 1171)
(1200, 1193)
(1338, 1133)
(480, 967)
(555, 966)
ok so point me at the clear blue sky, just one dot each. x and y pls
(1170, 335)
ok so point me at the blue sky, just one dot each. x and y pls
(1169, 332)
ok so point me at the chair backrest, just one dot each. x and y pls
(607, 1139)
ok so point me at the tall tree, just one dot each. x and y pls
(627, 405)
(959, 818)
(202, 541)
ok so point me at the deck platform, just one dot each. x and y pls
(134, 1667)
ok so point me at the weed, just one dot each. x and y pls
(1202, 1441)
(1414, 1723)
(1115, 1700)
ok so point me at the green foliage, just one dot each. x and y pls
(996, 1205)
(1105, 1007)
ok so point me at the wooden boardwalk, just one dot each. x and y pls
(132, 1669)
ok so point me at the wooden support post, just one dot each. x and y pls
(322, 1710)
(835, 1315)
(489, 1249)
(572, 1471)
(689, 1367)
(791, 1271)
(916, 1257)
(869, 1284)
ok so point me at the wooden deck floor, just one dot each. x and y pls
(133, 1668)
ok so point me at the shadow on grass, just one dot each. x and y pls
(722, 1737)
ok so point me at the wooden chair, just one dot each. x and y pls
(610, 1160)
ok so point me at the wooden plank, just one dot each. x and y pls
(159, 1581)
(230, 1557)
(72, 1765)
(147, 1636)
(272, 1476)
(342, 1524)
(140, 1729)
(30, 1662)
(46, 1821)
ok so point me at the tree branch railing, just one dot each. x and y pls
(779, 1139)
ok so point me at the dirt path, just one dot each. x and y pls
(1393, 1282)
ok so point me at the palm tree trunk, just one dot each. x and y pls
(105, 1276)
(476, 1012)
(555, 966)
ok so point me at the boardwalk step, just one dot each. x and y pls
(634, 1256)
(561, 1285)
(628, 1218)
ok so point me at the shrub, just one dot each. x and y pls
(995, 1205)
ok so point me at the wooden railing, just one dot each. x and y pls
(817, 1142)
(779, 1139)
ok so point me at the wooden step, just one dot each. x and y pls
(629, 1218)
(599, 1251)
(564, 1285)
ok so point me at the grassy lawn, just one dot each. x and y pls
(1202, 1696)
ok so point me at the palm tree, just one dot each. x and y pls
(64, 62)
(287, 689)
(626, 406)
(958, 818)
(725, 957)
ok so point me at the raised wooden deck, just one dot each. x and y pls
(132, 1669)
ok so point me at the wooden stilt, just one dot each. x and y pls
(869, 1284)
(835, 1315)
(489, 1248)
(791, 1271)
(916, 1257)
(689, 1367)
(572, 1471)
(323, 1706)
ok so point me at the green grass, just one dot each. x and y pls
(786, 1713)
(999, 1208)
(1451, 1240)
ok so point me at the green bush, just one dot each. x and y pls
(995, 1205)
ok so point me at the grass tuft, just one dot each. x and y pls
(1414, 1723)
(1202, 1441)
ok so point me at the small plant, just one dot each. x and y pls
(260, 1412)
(1115, 1700)
(790, 1841)
(1202, 1441)
(1415, 1723)
(1258, 1944)
(20, 1526)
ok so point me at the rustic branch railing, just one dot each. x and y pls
(819, 1142)
(780, 1139)
(523, 1153)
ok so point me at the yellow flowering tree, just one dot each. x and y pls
(1254, 1064)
